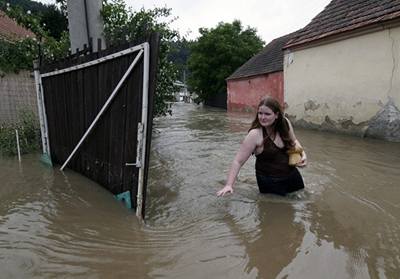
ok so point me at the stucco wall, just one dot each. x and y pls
(245, 94)
(78, 31)
(350, 86)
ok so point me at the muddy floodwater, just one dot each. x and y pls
(345, 224)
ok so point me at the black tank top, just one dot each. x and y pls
(272, 161)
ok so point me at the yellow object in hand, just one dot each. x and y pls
(294, 155)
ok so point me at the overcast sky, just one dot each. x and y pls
(271, 18)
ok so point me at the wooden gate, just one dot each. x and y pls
(96, 117)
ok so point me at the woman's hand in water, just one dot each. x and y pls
(223, 191)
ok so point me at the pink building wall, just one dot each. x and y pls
(245, 94)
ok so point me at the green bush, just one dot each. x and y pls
(28, 132)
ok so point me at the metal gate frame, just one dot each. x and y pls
(144, 49)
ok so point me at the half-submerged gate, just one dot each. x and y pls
(96, 117)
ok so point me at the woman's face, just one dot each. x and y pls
(266, 116)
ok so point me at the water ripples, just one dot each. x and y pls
(55, 224)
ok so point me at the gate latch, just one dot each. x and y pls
(138, 162)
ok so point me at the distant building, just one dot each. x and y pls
(10, 30)
(260, 76)
(182, 95)
(342, 70)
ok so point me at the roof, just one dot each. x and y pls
(346, 15)
(268, 60)
(11, 31)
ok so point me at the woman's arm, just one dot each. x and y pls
(303, 161)
(247, 147)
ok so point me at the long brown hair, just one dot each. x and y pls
(280, 125)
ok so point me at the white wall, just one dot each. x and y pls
(349, 81)
(79, 32)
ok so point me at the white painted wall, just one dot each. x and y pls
(79, 32)
(351, 79)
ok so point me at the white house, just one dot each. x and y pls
(342, 70)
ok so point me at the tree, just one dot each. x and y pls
(217, 53)
(122, 25)
(179, 55)
(54, 21)
(51, 18)
(27, 5)
(19, 55)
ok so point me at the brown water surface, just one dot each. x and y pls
(345, 224)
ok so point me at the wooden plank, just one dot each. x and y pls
(78, 106)
(134, 108)
(66, 128)
(99, 132)
(72, 112)
(91, 103)
(116, 132)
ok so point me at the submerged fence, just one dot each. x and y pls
(114, 152)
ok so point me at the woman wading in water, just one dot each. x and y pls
(271, 139)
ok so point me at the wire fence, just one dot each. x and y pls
(17, 94)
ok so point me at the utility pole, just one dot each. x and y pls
(85, 23)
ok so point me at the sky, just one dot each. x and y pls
(271, 18)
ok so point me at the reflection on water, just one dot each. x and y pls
(345, 224)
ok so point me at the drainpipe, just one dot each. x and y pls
(87, 22)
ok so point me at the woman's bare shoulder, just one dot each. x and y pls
(255, 132)
(289, 122)
(287, 119)
(256, 135)
(291, 131)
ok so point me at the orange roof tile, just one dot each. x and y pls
(341, 16)
(11, 31)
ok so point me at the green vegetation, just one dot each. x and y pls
(49, 26)
(50, 17)
(205, 63)
(19, 55)
(179, 55)
(217, 54)
(28, 132)
(122, 24)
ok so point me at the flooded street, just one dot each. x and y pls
(345, 224)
